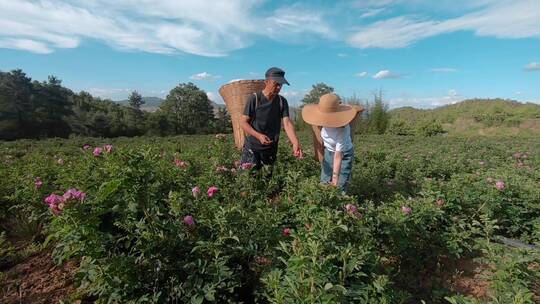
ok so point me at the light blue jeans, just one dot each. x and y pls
(344, 173)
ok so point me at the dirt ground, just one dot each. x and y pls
(469, 278)
(37, 280)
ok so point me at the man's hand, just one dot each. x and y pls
(297, 151)
(264, 139)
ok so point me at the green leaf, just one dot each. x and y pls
(108, 188)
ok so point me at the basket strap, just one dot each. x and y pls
(256, 106)
(280, 106)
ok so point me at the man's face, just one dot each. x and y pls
(273, 86)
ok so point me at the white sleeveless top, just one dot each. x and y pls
(337, 139)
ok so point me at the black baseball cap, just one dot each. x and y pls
(277, 75)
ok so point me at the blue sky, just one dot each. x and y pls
(420, 53)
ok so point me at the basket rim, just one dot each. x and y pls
(240, 81)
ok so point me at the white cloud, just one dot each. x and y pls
(109, 93)
(361, 74)
(452, 97)
(206, 28)
(444, 70)
(288, 23)
(453, 93)
(500, 19)
(233, 80)
(372, 12)
(25, 45)
(386, 74)
(211, 96)
(342, 55)
(215, 97)
(533, 66)
(204, 76)
(294, 97)
(374, 3)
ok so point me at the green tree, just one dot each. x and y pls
(135, 100)
(362, 122)
(222, 121)
(53, 104)
(378, 114)
(316, 92)
(188, 109)
(16, 106)
(135, 116)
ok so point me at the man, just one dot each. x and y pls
(261, 121)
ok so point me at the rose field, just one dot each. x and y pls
(176, 220)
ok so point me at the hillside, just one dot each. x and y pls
(477, 116)
(152, 103)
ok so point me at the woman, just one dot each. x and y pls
(334, 118)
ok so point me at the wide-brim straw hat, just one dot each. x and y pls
(329, 112)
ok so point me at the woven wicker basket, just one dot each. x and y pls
(318, 145)
(235, 95)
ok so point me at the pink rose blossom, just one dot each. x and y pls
(212, 191)
(500, 185)
(353, 210)
(221, 169)
(38, 183)
(440, 202)
(406, 210)
(74, 194)
(189, 221)
(86, 147)
(221, 136)
(247, 166)
(196, 191)
(97, 151)
(180, 163)
(287, 231)
(262, 261)
(60, 161)
(53, 199)
(108, 148)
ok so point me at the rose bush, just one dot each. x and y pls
(138, 221)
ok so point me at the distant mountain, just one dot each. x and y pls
(471, 108)
(151, 104)
(478, 116)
